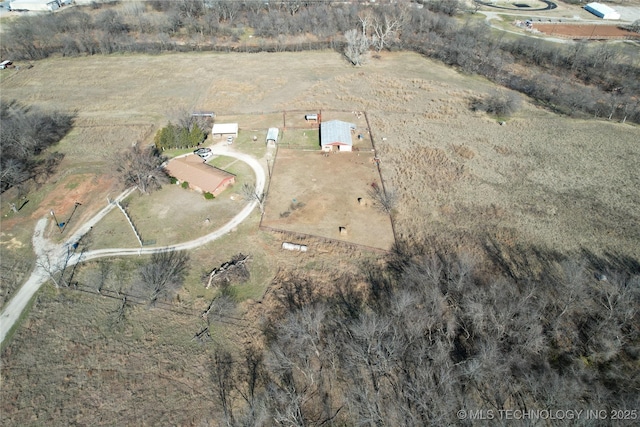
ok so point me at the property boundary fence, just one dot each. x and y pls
(298, 235)
(384, 187)
(323, 238)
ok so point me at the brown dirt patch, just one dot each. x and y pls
(586, 31)
(315, 194)
(87, 189)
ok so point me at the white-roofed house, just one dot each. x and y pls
(336, 134)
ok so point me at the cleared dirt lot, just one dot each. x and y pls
(315, 194)
(586, 31)
(327, 195)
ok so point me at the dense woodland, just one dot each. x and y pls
(432, 333)
(589, 79)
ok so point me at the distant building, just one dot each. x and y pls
(200, 176)
(602, 11)
(272, 136)
(336, 135)
(34, 5)
(229, 129)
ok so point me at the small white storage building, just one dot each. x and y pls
(602, 11)
(223, 129)
(34, 5)
(272, 136)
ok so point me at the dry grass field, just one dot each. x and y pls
(540, 180)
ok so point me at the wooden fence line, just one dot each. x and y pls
(299, 235)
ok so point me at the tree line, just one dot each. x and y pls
(25, 132)
(576, 79)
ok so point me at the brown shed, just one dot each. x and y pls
(200, 176)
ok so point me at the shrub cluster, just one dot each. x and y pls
(500, 103)
(174, 136)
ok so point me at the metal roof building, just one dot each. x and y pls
(225, 129)
(34, 5)
(336, 133)
(272, 136)
(602, 11)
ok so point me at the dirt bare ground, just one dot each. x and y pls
(565, 184)
(315, 194)
(586, 31)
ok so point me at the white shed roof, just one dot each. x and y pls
(225, 128)
(272, 134)
(602, 10)
(34, 5)
(336, 132)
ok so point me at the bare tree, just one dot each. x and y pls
(384, 28)
(250, 194)
(385, 201)
(141, 167)
(164, 274)
(357, 46)
(223, 376)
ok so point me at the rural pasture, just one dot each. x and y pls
(541, 180)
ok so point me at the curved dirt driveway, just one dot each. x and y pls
(51, 257)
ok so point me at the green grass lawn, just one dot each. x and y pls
(301, 138)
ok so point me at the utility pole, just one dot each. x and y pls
(53, 214)
(75, 206)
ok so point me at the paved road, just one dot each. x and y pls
(52, 257)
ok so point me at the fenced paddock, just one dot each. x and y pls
(317, 242)
(315, 194)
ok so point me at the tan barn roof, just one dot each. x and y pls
(199, 175)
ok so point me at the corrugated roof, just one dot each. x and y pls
(224, 128)
(336, 132)
(272, 134)
(197, 173)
